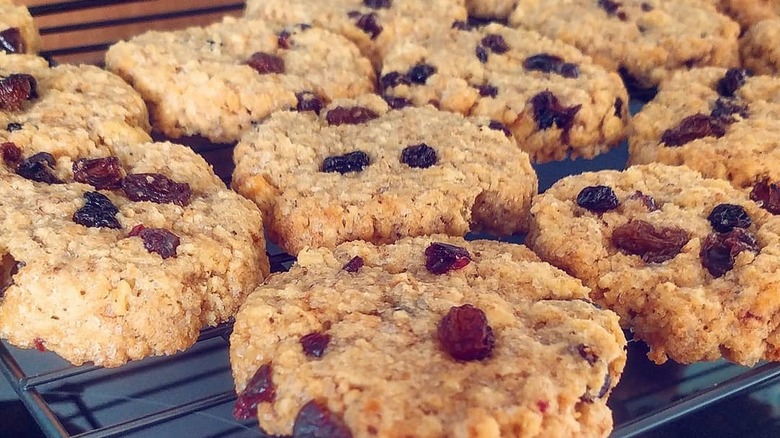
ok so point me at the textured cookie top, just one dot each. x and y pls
(690, 264)
(18, 33)
(360, 170)
(216, 81)
(760, 47)
(122, 257)
(647, 38)
(537, 359)
(723, 123)
(749, 12)
(491, 9)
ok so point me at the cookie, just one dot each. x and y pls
(749, 12)
(760, 47)
(723, 123)
(373, 25)
(359, 170)
(429, 337)
(645, 39)
(689, 263)
(555, 101)
(216, 81)
(122, 253)
(18, 33)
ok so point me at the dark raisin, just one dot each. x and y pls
(461, 25)
(101, 173)
(283, 39)
(692, 128)
(314, 343)
(646, 7)
(9, 267)
(726, 217)
(653, 244)
(354, 14)
(420, 156)
(369, 24)
(598, 199)
(618, 107)
(719, 250)
(13, 126)
(725, 110)
(397, 102)
(487, 90)
(647, 200)
(590, 398)
(259, 389)
(350, 162)
(98, 212)
(766, 195)
(732, 81)
(11, 41)
(308, 101)
(420, 73)
(465, 334)
(354, 264)
(40, 168)
(482, 53)
(158, 240)
(547, 63)
(548, 111)
(498, 126)
(570, 70)
(315, 420)
(352, 115)
(378, 4)
(495, 43)
(265, 63)
(391, 80)
(11, 154)
(610, 6)
(156, 188)
(622, 15)
(441, 258)
(586, 352)
(15, 89)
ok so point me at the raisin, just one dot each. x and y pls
(11, 40)
(259, 389)
(495, 43)
(13, 126)
(156, 188)
(719, 250)
(350, 162)
(158, 240)
(610, 6)
(647, 200)
(15, 89)
(391, 80)
(314, 343)
(101, 173)
(482, 53)
(369, 24)
(498, 126)
(265, 63)
(397, 102)
(726, 217)
(653, 244)
(766, 195)
(352, 115)
(732, 81)
(618, 107)
(420, 73)
(646, 7)
(598, 199)
(40, 168)
(725, 109)
(315, 420)
(283, 39)
(441, 258)
(547, 63)
(420, 156)
(11, 154)
(590, 398)
(9, 267)
(487, 90)
(548, 111)
(378, 4)
(354, 264)
(692, 128)
(308, 101)
(586, 352)
(98, 212)
(465, 334)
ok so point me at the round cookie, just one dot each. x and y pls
(216, 81)
(645, 39)
(760, 47)
(689, 264)
(18, 33)
(368, 338)
(554, 100)
(722, 123)
(359, 170)
(125, 255)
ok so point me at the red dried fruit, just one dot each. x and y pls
(542, 405)
(725, 109)
(498, 126)
(692, 128)
(495, 43)
(391, 80)
(101, 173)
(732, 81)
(156, 188)
(315, 420)
(157, 240)
(13, 126)
(265, 63)
(98, 212)
(653, 244)
(15, 89)
(369, 23)
(647, 200)
(597, 199)
(465, 334)
(419, 156)
(378, 4)
(420, 73)
(618, 107)
(259, 389)
(11, 41)
(719, 250)
(586, 352)
(487, 90)
(308, 101)
(548, 111)
(39, 167)
(283, 39)
(354, 264)
(482, 53)
(39, 345)
(441, 258)
(548, 63)
(397, 102)
(350, 162)
(314, 343)
(766, 195)
(726, 217)
(11, 153)
(352, 115)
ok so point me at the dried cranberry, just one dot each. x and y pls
(314, 343)
(598, 199)
(378, 4)
(397, 102)
(726, 217)
(618, 107)
(732, 81)
(465, 334)
(498, 126)
(586, 352)
(653, 244)
(547, 63)
(647, 200)
(420, 73)
(11, 154)
(13, 126)
(441, 258)
(495, 43)
(314, 420)
(98, 212)
(692, 128)
(548, 111)
(719, 250)
(101, 173)
(391, 80)
(420, 156)
(39, 345)
(259, 389)
(369, 24)
(350, 162)
(40, 168)
(482, 53)
(158, 240)
(15, 89)
(352, 115)
(156, 188)
(725, 109)
(11, 40)
(265, 63)
(308, 101)
(283, 39)
(354, 264)
(487, 90)
(766, 195)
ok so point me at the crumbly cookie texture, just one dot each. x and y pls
(18, 33)
(491, 9)
(82, 279)
(461, 176)
(692, 291)
(760, 47)
(554, 100)
(216, 81)
(384, 370)
(720, 122)
(749, 12)
(646, 38)
(71, 109)
(373, 25)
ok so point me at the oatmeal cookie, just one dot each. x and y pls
(18, 33)
(760, 47)
(428, 337)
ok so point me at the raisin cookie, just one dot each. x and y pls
(760, 47)
(645, 39)
(18, 33)
(358, 170)
(216, 81)
(723, 123)
(373, 25)
(689, 264)
(122, 253)
(428, 337)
